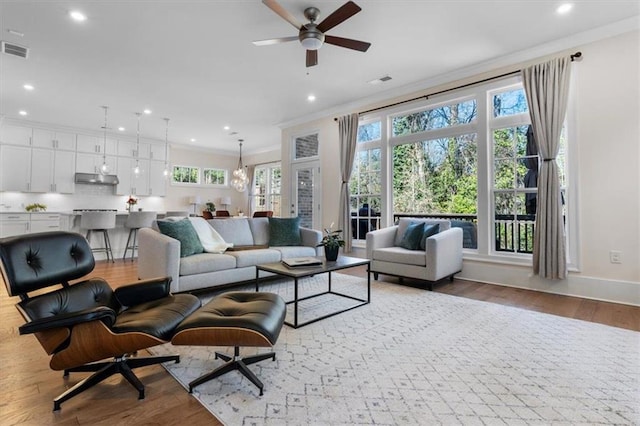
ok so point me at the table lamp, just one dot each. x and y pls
(194, 201)
(225, 202)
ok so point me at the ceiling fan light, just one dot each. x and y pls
(311, 38)
(311, 43)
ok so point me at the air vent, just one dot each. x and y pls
(380, 80)
(15, 50)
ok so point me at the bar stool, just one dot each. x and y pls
(135, 221)
(99, 222)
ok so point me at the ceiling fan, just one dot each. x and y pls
(312, 36)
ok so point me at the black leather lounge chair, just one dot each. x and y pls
(87, 326)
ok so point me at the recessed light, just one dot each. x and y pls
(311, 98)
(564, 8)
(22, 112)
(192, 140)
(77, 16)
(122, 129)
(28, 86)
(147, 111)
(226, 127)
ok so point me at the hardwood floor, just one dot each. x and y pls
(29, 386)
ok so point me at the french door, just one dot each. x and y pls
(305, 199)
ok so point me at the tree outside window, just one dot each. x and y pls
(214, 176)
(185, 174)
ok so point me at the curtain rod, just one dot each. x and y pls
(484, 80)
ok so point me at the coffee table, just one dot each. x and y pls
(343, 262)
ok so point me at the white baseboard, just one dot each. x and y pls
(521, 276)
(626, 292)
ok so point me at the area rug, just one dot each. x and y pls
(414, 357)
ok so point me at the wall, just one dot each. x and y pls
(177, 197)
(605, 118)
(328, 150)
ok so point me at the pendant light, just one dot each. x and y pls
(136, 169)
(104, 169)
(166, 150)
(240, 179)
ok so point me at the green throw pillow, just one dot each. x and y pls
(429, 230)
(183, 231)
(412, 236)
(284, 231)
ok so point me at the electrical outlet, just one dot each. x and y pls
(615, 256)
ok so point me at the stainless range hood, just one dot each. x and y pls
(96, 179)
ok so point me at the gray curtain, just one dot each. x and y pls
(250, 169)
(348, 132)
(547, 89)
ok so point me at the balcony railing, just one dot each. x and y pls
(512, 234)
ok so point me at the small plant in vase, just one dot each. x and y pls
(131, 202)
(331, 241)
(210, 207)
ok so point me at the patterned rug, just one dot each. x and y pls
(414, 357)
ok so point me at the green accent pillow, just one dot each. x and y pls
(412, 236)
(284, 231)
(429, 230)
(183, 231)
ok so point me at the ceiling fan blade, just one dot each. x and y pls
(284, 14)
(271, 41)
(312, 58)
(340, 15)
(362, 46)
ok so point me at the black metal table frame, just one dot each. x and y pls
(311, 272)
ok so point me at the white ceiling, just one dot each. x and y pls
(193, 61)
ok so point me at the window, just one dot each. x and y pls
(185, 174)
(515, 172)
(306, 147)
(365, 184)
(214, 177)
(267, 187)
(475, 166)
(435, 118)
(437, 176)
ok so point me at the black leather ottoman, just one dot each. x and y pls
(234, 319)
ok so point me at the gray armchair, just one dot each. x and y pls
(441, 257)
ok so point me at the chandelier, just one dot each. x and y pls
(240, 180)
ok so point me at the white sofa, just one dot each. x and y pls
(441, 258)
(159, 254)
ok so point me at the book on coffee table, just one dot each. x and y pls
(297, 262)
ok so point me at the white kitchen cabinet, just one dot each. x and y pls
(130, 183)
(14, 224)
(15, 135)
(44, 222)
(132, 150)
(52, 171)
(157, 151)
(96, 145)
(28, 223)
(91, 163)
(42, 164)
(63, 172)
(43, 138)
(157, 179)
(15, 162)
